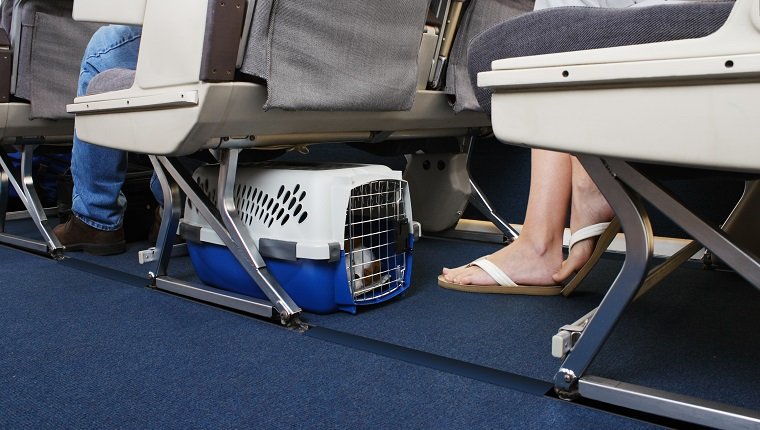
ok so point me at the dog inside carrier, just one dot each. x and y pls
(335, 236)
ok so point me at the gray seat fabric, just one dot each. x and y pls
(57, 49)
(479, 16)
(255, 58)
(49, 54)
(6, 8)
(337, 55)
(111, 80)
(579, 28)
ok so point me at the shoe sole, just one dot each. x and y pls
(524, 290)
(98, 249)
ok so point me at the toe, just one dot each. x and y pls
(564, 272)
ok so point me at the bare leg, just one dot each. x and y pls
(537, 254)
(588, 207)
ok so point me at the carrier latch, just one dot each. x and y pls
(402, 231)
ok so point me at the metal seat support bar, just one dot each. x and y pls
(24, 186)
(481, 202)
(478, 197)
(684, 408)
(712, 238)
(4, 194)
(225, 226)
(169, 219)
(617, 176)
(638, 239)
(212, 295)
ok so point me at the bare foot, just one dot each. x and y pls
(588, 207)
(525, 261)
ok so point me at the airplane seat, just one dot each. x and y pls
(670, 85)
(310, 78)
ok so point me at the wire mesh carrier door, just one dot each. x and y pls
(335, 236)
(377, 239)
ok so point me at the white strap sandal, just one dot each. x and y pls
(606, 232)
(504, 285)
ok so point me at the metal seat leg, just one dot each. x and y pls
(481, 202)
(170, 214)
(621, 183)
(638, 238)
(23, 183)
(223, 220)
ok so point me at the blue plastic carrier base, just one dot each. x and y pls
(317, 286)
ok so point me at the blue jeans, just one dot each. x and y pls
(99, 172)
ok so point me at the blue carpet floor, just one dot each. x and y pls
(80, 351)
(693, 325)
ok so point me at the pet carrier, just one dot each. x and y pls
(335, 236)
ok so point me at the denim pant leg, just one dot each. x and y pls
(99, 172)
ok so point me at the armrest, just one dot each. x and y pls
(716, 55)
(129, 12)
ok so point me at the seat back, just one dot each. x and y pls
(328, 55)
(479, 16)
(47, 51)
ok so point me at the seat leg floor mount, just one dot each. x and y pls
(223, 219)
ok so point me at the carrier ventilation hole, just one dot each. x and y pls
(256, 205)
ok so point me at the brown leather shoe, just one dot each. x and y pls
(78, 236)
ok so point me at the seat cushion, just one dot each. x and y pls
(567, 29)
